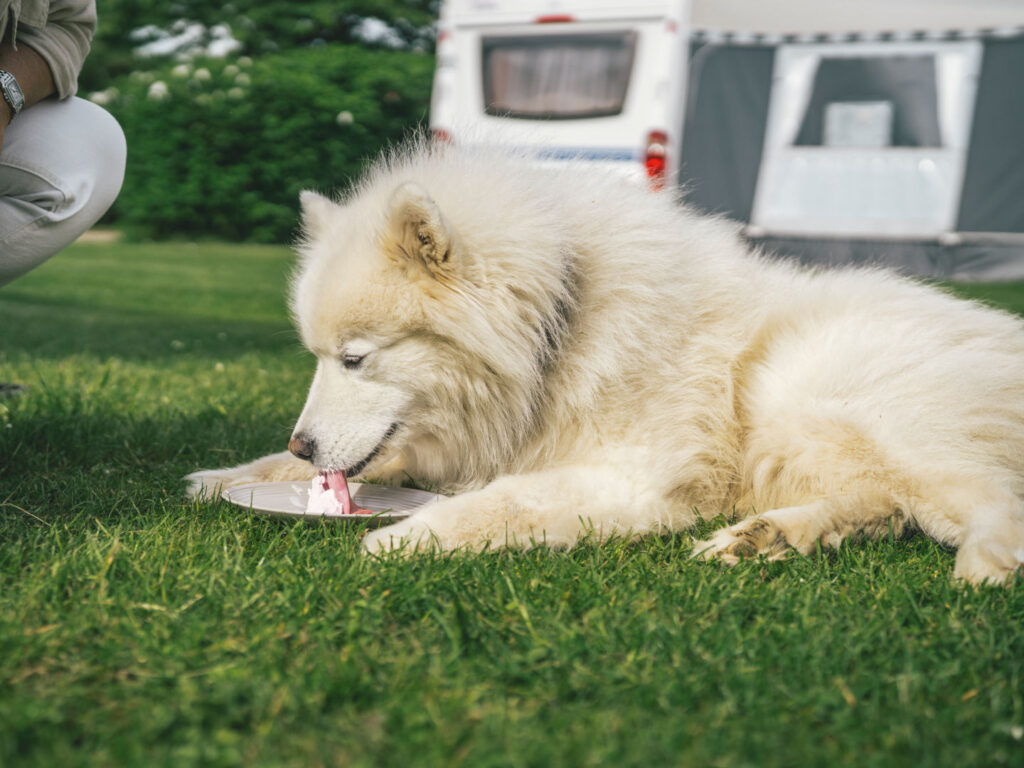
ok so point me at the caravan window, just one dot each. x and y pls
(557, 77)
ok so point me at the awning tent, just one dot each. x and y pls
(903, 148)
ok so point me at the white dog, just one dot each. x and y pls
(569, 355)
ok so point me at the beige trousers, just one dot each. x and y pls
(61, 167)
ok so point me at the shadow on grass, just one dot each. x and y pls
(64, 460)
(131, 334)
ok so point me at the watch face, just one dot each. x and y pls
(12, 92)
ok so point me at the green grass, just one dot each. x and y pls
(137, 629)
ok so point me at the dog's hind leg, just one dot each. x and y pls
(990, 537)
(823, 481)
(803, 528)
(991, 555)
(987, 528)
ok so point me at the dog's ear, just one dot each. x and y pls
(418, 227)
(316, 210)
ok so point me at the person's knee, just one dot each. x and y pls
(103, 143)
(62, 167)
(77, 148)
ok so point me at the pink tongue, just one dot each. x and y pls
(337, 482)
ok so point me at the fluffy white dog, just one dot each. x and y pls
(570, 355)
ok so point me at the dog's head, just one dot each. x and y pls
(429, 329)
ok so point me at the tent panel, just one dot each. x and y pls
(993, 189)
(729, 87)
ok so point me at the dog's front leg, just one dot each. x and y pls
(553, 508)
(208, 483)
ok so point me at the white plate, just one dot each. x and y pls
(290, 500)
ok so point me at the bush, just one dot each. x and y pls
(259, 26)
(222, 149)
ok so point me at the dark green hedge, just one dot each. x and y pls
(222, 148)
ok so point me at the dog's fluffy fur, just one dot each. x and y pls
(570, 355)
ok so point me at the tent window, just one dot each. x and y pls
(557, 77)
(866, 139)
(898, 98)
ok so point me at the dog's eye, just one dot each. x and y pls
(352, 361)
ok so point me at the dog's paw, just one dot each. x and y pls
(207, 484)
(990, 561)
(408, 536)
(750, 538)
(723, 545)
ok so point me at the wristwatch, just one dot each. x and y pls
(11, 92)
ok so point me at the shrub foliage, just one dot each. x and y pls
(240, 105)
(222, 148)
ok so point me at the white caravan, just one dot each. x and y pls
(601, 80)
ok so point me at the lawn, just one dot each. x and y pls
(139, 629)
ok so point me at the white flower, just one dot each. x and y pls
(221, 48)
(182, 70)
(230, 70)
(99, 97)
(223, 43)
(204, 99)
(243, 79)
(244, 61)
(374, 30)
(158, 91)
(236, 93)
(201, 74)
(344, 118)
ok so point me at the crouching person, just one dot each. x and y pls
(62, 159)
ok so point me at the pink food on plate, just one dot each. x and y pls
(329, 495)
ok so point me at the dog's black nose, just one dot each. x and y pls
(302, 445)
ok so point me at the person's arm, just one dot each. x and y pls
(63, 42)
(32, 74)
(46, 60)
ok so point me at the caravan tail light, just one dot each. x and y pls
(441, 136)
(655, 158)
(555, 18)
